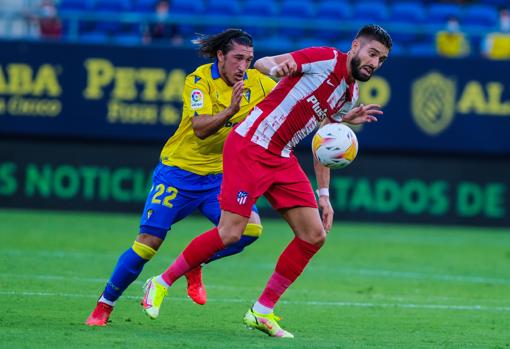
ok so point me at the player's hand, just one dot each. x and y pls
(327, 212)
(363, 114)
(237, 94)
(285, 68)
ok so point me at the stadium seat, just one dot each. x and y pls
(496, 3)
(256, 12)
(483, 15)
(276, 43)
(259, 8)
(405, 14)
(310, 42)
(370, 11)
(331, 9)
(334, 12)
(74, 5)
(143, 6)
(425, 49)
(343, 45)
(186, 7)
(94, 37)
(112, 5)
(222, 9)
(128, 40)
(439, 13)
(291, 11)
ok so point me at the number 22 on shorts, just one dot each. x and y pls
(170, 192)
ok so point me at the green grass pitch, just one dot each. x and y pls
(371, 286)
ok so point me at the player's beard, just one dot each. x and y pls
(356, 70)
(226, 77)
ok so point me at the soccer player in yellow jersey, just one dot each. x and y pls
(216, 97)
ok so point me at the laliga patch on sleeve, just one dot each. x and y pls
(197, 99)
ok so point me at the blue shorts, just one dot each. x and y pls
(175, 194)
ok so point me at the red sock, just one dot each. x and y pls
(290, 265)
(199, 250)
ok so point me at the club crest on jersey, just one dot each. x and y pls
(320, 113)
(247, 94)
(242, 196)
(197, 99)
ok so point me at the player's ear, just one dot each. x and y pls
(220, 56)
(356, 44)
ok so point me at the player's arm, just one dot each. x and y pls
(197, 104)
(205, 125)
(296, 62)
(277, 66)
(322, 174)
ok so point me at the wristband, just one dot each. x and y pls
(272, 71)
(323, 192)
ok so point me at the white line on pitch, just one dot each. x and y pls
(391, 274)
(308, 303)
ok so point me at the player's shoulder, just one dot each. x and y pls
(332, 49)
(256, 79)
(317, 53)
(253, 75)
(321, 48)
(201, 73)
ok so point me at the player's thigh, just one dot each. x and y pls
(291, 189)
(245, 176)
(166, 205)
(210, 208)
(210, 205)
(306, 224)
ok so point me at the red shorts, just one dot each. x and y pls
(250, 171)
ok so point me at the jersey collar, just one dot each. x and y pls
(215, 72)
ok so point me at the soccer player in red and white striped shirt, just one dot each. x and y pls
(318, 86)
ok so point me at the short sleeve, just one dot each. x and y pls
(196, 96)
(306, 56)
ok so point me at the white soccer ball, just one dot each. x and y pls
(335, 145)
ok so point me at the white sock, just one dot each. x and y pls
(161, 281)
(262, 309)
(106, 301)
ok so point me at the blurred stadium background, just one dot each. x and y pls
(90, 90)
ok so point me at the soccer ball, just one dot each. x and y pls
(335, 145)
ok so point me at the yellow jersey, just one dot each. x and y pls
(498, 46)
(206, 93)
(452, 45)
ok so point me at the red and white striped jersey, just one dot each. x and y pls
(300, 102)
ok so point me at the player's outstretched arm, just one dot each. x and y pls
(277, 66)
(323, 174)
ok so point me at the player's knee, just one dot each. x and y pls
(230, 236)
(230, 239)
(145, 252)
(316, 237)
(150, 240)
(253, 230)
